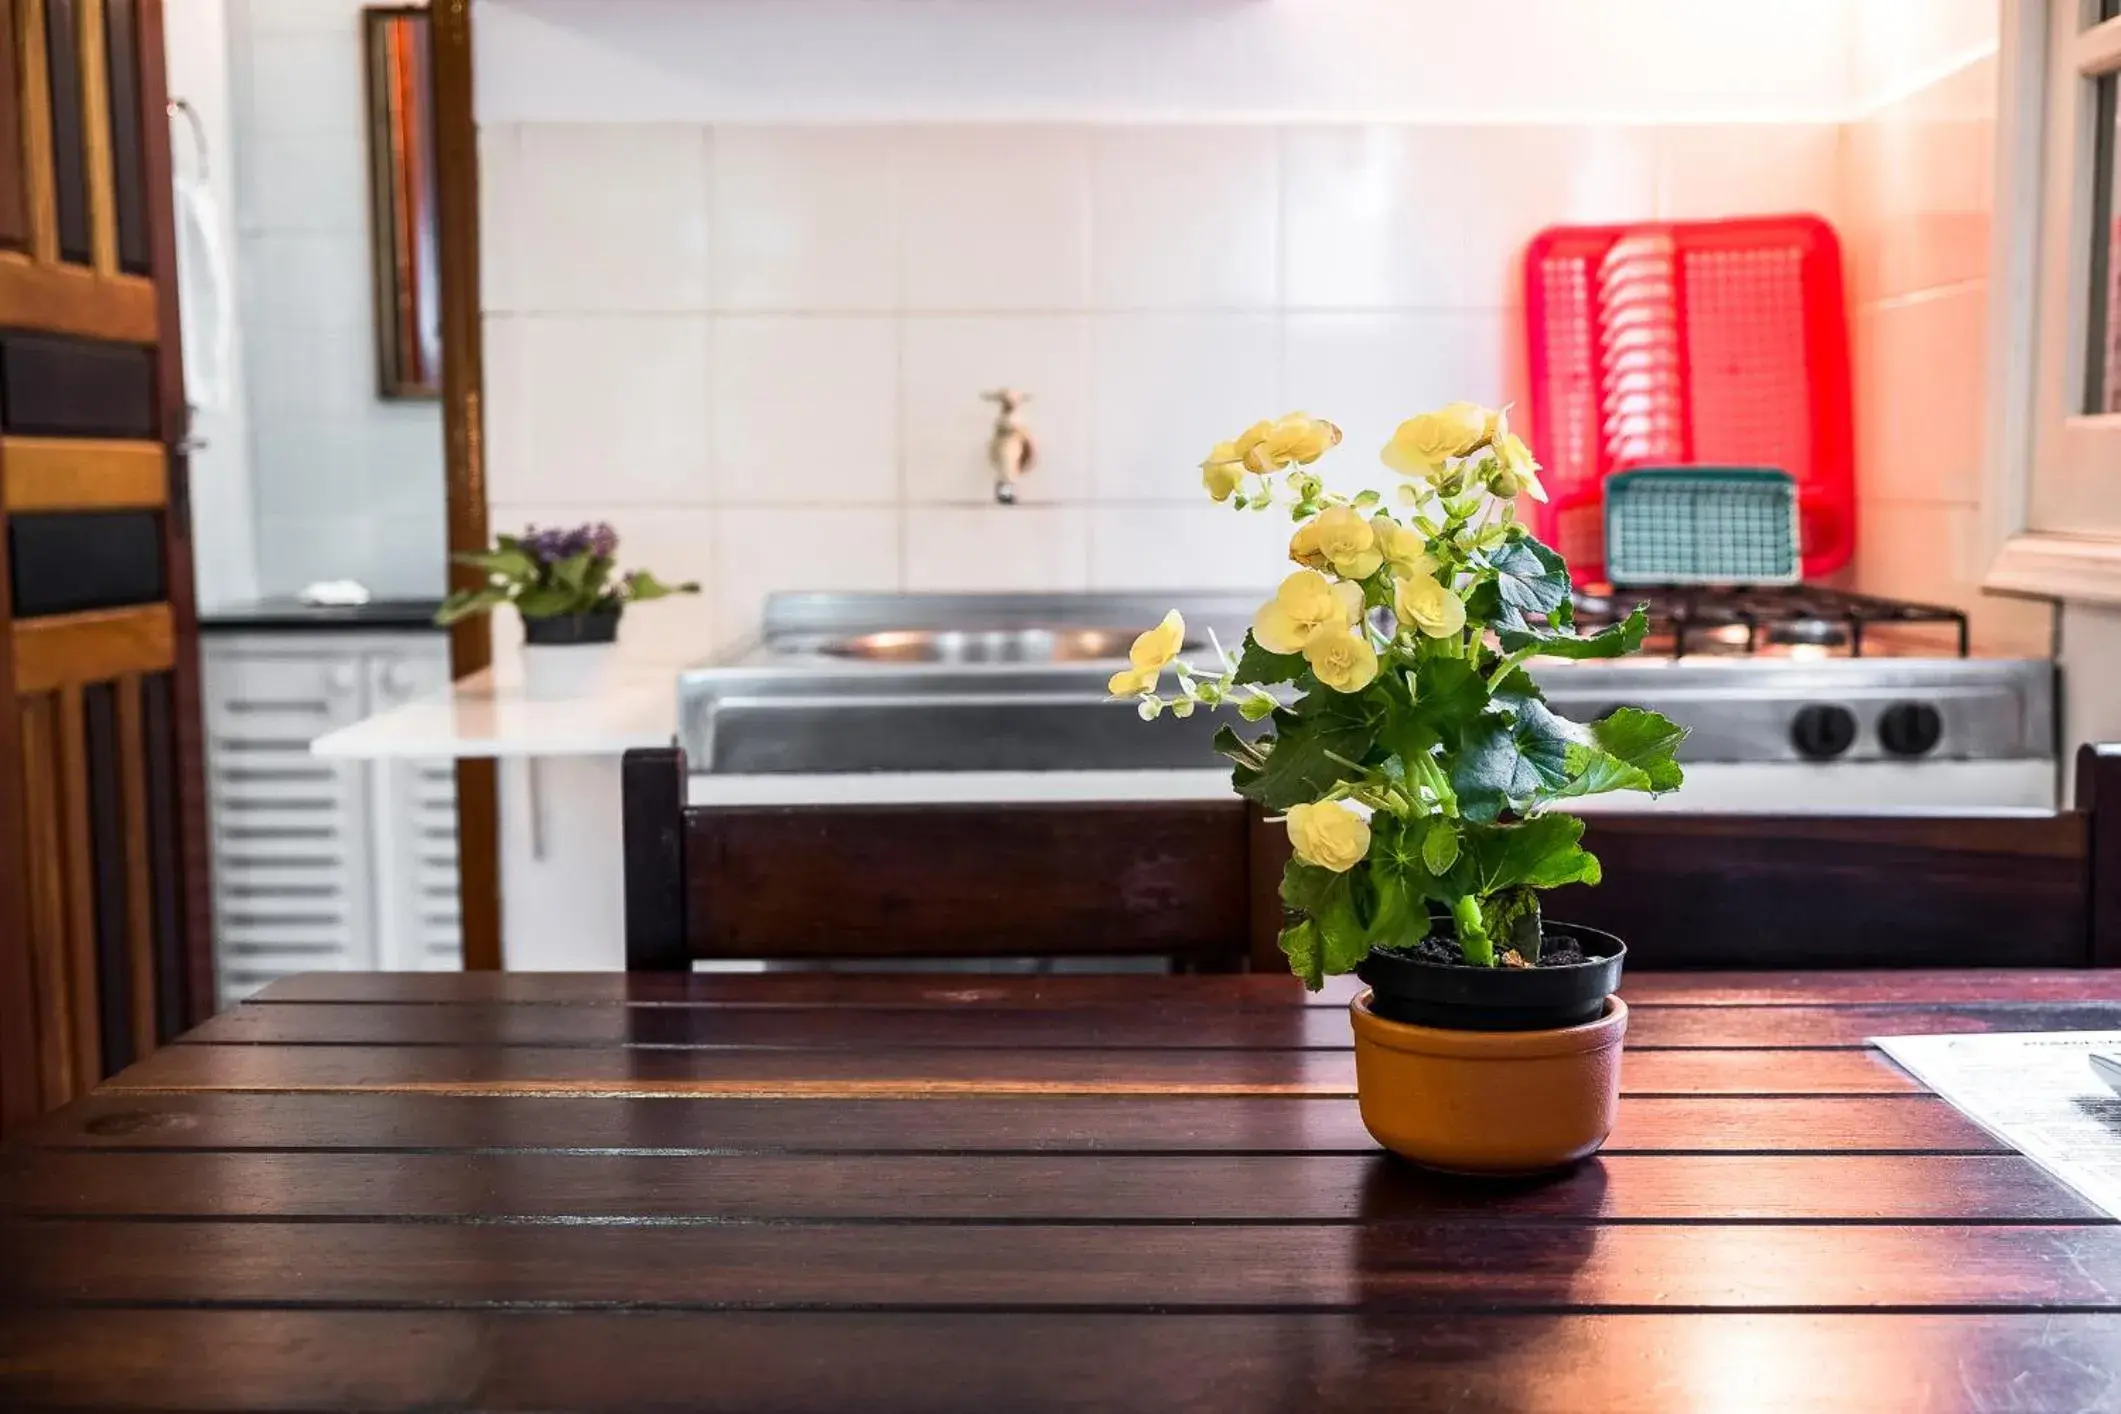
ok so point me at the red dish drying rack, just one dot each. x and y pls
(1675, 343)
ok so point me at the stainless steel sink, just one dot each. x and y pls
(843, 729)
(993, 645)
(959, 682)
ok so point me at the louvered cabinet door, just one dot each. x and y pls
(102, 872)
(414, 826)
(291, 835)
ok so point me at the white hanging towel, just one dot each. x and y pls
(208, 307)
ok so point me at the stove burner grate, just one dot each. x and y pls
(1752, 618)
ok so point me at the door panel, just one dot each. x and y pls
(100, 888)
(14, 186)
(69, 131)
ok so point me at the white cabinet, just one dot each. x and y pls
(323, 865)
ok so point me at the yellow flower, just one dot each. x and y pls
(1223, 471)
(1423, 444)
(1420, 600)
(1515, 470)
(1342, 659)
(1303, 547)
(1328, 835)
(1151, 654)
(1158, 646)
(1306, 604)
(1298, 438)
(1402, 547)
(1347, 542)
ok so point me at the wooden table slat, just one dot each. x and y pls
(1043, 1187)
(497, 1070)
(856, 989)
(1081, 1124)
(517, 1362)
(1405, 1266)
(1082, 1027)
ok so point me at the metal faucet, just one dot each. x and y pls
(1010, 450)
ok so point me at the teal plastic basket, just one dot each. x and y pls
(1701, 525)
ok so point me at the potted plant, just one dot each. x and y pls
(563, 583)
(1418, 770)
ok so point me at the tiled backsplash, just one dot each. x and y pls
(760, 349)
(1916, 231)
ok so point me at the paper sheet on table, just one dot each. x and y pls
(2034, 1090)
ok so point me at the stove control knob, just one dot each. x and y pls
(1821, 732)
(1910, 728)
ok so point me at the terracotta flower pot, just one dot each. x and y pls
(1500, 1093)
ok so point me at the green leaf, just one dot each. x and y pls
(1613, 641)
(1256, 665)
(641, 587)
(572, 573)
(1400, 913)
(464, 603)
(1512, 920)
(1243, 753)
(1302, 944)
(1627, 749)
(547, 602)
(1439, 847)
(508, 562)
(1511, 757)
(1530, 582)
(1644, 739)
(1338, 938)
(1307, 753)
(1447, 696)
(1542, 853)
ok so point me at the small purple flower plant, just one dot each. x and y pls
(555, 572)
(549, 547)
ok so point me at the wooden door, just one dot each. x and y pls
(103, 942)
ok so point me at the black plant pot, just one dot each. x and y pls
(596, 626)
(1460, 998)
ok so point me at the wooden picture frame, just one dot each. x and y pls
(404, 201)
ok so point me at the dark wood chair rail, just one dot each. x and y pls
(803, 1191)
(1198, 881)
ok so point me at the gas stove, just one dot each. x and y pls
(1806, 698)
(1778, 620)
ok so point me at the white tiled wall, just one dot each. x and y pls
(342, 483)
(776, 337)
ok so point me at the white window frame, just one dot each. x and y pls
(2054, 472)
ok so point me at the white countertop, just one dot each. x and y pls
(484, 716)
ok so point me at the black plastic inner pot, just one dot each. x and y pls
(596, 626)
(1462, 998)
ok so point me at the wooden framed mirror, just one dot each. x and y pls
(404, 199)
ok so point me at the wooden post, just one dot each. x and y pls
(464, 457)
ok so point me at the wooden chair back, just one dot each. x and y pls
(1197, 881)
(927, 881)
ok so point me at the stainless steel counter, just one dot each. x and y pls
(840, 683)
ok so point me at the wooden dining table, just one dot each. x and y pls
(806, 1191)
